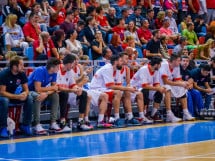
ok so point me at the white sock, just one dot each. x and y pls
(130, 115)
(154, 110)
(185, 111)
(168, 112)
(145, 111)
(116, 116)
(141, 115)
(80, 119)
(86, 118)
(101, 117)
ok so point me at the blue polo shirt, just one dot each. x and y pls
(41, 74)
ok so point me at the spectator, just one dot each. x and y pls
(144, 33)
(143, 8)
(163, 47)
(125, 14)
(199, 26)
(131, 31)
(205, 49)
(80, 37)
(194, 8)
(183, 24)
(170, 4)
(150, 18)
(165, 30)
(89, 30)
(173, 26)
(111, 17)
(116, 44)
(120, 28)
(13, 8)
(190, 34)
(210, 11)
(59, 40)
(26, 4)
(92, 3)
(31, 29)
(73, 45)
(44, 47)
(68, 23)
(57, 17)
(14, 36)
(136, 16)
(159, 19)
(182, 10)
(11, 80)
(211, 33)
(182, 43)
(153, 46)
(106, 55)
(97, 46)
(102, 20)
(38, 83)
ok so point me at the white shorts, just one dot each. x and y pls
(95, 96)
(176, 91)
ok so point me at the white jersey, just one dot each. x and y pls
(170, 74)
(103, 78)
(144, 76)
(65, 79)
(76, 71)
(120, 76)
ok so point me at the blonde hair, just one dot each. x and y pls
(161, 14)
(84, 57)
(8, 20)
(10, 54)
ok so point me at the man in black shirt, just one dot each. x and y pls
(153, 46)
(14, 90)
(194, 97)
(201, 80)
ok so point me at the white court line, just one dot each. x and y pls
(100, 155)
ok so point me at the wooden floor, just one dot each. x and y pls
(201, 151)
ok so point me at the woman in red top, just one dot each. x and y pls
(159, 19)
(102, 20)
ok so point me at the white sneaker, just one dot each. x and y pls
(145, 120)
(172, 118)
(38, 129)
(54, 127)
(188, 117)
(66, 129)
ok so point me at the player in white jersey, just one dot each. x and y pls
(67, 84)
(170, 78)
(103, 80)
(147, 79)
(122, 77)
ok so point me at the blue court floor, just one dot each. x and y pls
(69, 146)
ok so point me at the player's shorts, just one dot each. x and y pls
(176, 91)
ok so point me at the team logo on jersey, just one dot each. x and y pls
(18, 82)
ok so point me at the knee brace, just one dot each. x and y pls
(82, 99)
(158, 97)
(145, 96)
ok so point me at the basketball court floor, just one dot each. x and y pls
(187, 141)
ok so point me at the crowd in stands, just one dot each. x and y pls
(169, 34)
